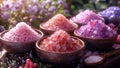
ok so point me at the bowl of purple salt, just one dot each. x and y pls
(56, 23)
(20, 39)
(97, 35)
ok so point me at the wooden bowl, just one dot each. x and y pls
(60, 57)
(95, 44)
(49, 32)
(18, 47)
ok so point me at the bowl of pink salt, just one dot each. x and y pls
(20, 39)
(83, 17)
(97, 35)
(60, 48)
(56, 23)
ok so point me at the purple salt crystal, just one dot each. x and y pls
(96, 29)
(60, 1)
(85, 16)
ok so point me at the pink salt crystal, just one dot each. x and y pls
(59, 21)
(21, 33)
(60, 41)
(86, 16)
(96, 29)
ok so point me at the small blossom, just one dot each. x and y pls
(16, 7)
(2, 28)
(52, 9)
(60, 1)
(5, 16)
(7, 5)
(32, 9)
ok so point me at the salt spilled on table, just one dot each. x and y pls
(93, 59)
(22, 32)
(60, 41)
(58, 22)
(85, 16)
(96, 29)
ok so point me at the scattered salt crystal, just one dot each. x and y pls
(93, 59)
(58, 22)
(21, 33)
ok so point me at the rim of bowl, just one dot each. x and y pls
(76, 26)
(82, 47)
(38, 31)
(76, 34)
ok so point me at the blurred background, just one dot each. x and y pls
(35, 12)
(97, 5)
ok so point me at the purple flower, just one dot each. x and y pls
(66, 11)
(16, 7)
(66, 6)
(22, 2)
(7, 5)
(2, 28)
(49, 14)
(33, 17)
(32, 9)
(35, 1)
(5, 16)
(43, 4)
(48, 1)
(60, 1)
(42, 11)
(52, 9)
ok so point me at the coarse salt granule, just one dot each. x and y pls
(58, 22)
(60, 41)
(93, 59)
(96, 29)
(21, 33)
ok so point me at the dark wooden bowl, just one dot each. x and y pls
(49, 32)
(95, 44)
(18, 47)
(60, 57)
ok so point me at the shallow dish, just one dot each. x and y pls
(18, 47)
(95, 44)
(48, 32)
